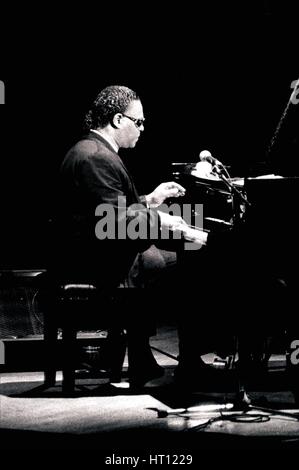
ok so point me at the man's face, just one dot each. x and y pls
(132, 124)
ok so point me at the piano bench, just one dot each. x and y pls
(70, 308)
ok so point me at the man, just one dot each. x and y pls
(94, 180)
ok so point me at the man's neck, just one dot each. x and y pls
(108, 137)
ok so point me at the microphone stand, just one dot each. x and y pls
(233, 188)
(217, 170)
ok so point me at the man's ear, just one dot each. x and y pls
(116, 120)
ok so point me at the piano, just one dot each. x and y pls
(219, 209)
(252, 248)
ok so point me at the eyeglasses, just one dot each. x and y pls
(138, 122)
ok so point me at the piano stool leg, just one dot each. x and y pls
(50, 351)
(69, 335)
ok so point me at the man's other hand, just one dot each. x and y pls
(164, 191)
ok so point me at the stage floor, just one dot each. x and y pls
(162, 417)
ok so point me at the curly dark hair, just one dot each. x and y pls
(110, 101)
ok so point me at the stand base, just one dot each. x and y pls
(244, 403)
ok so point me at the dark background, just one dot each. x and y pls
(214, 78)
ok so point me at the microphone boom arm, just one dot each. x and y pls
(232, 187)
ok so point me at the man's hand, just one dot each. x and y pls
(177, 224)
(164, 191)
(171, 222)
(195, 235)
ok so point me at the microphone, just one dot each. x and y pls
(206, 156)
(217, 166)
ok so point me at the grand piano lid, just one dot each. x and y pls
(237, 181)
(266, 177)
(199, 174)
(21, 272)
